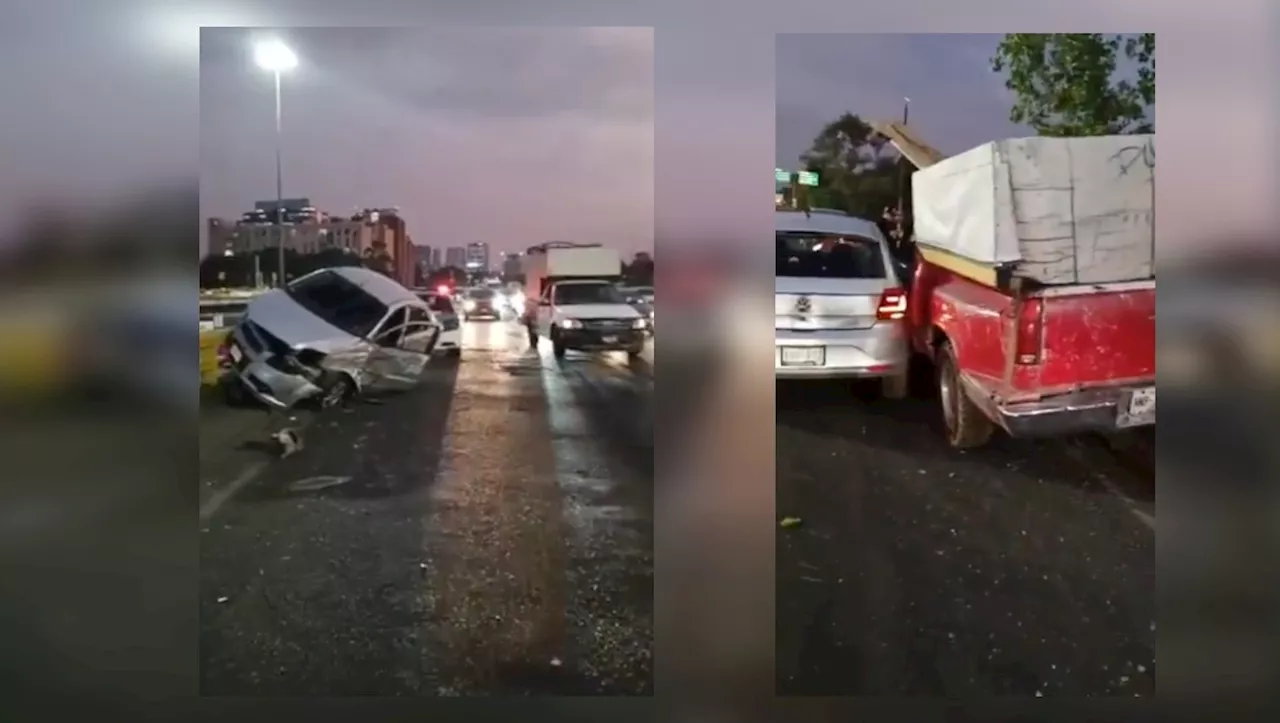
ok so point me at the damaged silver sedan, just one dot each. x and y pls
(328, 336)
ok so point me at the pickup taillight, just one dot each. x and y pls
(892, 306)
(1029, 339)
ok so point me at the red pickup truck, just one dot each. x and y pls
(1033, 288)
(1035, 362)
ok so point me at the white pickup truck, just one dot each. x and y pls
(573, 300)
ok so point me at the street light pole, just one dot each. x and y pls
(279, 186)
(276, 57)
(902, 179)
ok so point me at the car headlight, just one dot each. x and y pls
(639, 324)
(469, 305)
(570, 324)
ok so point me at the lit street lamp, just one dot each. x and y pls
(276, 58)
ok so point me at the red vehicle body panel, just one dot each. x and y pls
(1090, 336)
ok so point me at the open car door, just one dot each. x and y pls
(402, 349)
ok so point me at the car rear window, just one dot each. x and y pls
(339, 302)
(828, 256)
(480, 294)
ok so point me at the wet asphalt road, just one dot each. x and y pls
(1025, 568)
(489, 532)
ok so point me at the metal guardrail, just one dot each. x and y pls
(220, 313)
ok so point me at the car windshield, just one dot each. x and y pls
(829, 256)
(338, 301)
(480, 294)
(571, 294)
(439, 304)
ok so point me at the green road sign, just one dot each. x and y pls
(781, 176)
(807, 178)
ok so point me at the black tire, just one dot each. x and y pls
(454, 353)
(897, 386)
(965, 425)
(635, 353)
(337, 391)
(234, 394)
(557, 348)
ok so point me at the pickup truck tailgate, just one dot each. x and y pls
(1095, 336)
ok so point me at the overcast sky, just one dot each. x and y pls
(509, 136)
(957, 101)
(104, 101)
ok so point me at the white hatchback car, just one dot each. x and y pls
(839, 306)
(326, 336)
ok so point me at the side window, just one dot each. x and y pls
(419, 315)
(391, 329)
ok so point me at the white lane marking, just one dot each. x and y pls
(1148, 520)
(247, 475)
(1144, 517)
(226, 492)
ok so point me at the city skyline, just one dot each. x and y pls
(443, 125)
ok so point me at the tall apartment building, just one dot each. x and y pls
(390, 236)
(477, 258)
(367, 232)
(512, 264)
(455, 256)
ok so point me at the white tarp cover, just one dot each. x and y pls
(1067, 210)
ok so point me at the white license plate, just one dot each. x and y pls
(1141, 408)
(234, 351)
(804, 356)
(609, 339)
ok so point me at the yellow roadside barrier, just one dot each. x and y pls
(209, 343)
(33, 356)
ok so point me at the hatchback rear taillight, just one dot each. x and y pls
(1030, 334)
(892, 306)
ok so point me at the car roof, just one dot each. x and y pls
(829, 222)
(383, 288)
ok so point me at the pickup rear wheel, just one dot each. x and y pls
(966, 426)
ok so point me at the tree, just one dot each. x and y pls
(855, 174)
(377, 259)
(1065, 83)
(640, 271)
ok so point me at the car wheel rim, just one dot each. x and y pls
(335, 394)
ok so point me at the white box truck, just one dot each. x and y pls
(573, 300)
